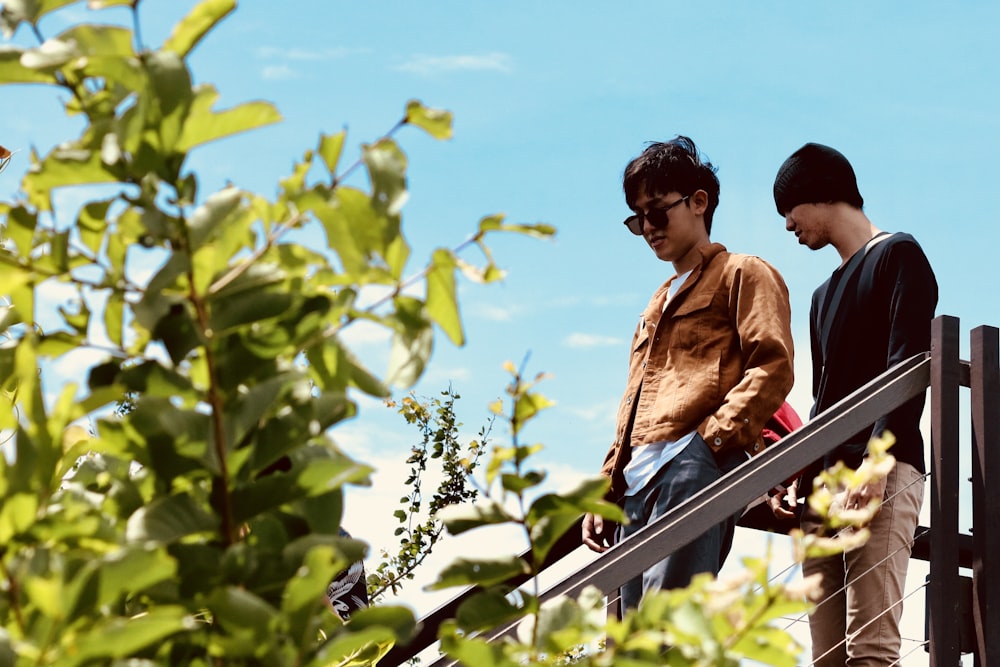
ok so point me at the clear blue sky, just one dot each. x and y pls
(551, 99)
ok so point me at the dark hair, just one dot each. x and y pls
(815, 174)
(672, 166)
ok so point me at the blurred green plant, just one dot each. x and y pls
(200, 526)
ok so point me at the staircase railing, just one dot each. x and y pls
(946, 548)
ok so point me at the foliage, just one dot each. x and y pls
(420, 529)
(202, 525)
(198, 523)
(711, 623)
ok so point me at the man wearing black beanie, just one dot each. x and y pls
(874, 312)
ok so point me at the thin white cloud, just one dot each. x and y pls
(299, 54)
(440, 374)
(587, 341)
(427, 65)
(604, 412)
(279, 73)
(495, 313)
(280, 60)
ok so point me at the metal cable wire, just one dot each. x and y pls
(615, 596)
(876, 618)
(921, 643)
(908, 545)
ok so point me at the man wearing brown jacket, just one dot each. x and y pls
(711, 361)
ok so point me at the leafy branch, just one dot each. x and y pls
(437, 423)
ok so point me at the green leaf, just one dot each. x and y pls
(409, 356)
(246, 308)
(20, 229)
(64, 167)
(486, 610)
(528, 406)
(238, 609)
(15, 11)
(114, 317)
(207, 219)
(436, 122)
(588, 494)
(495, 223)
(352, 227)
(12, 71)
(335, 368)
(52, 54)
(299, 601)
(354, 649)
(8, 657)
(47, 594)
(480, 572)
(519, 483)
(315, 471)
(386, 165)
(203, 125)
(460, 518)
(100, 40)
(397, 619)
(547, 530)
(475, 650)
(172, 96)
(92, 223)
(120, 637)
(770, 646)
(330, 148)
(169, 518)
(251, 407)
(177, 331)
(442, 296)
(255, 278)
(152, 379)
(57, 344)
(17, 514)
(132, 570)
(193, 27)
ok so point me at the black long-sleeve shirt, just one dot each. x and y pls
(884, 317)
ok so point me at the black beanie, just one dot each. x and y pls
(815, 174)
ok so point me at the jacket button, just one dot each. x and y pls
(756, 446)
(746, 421)
(718, 441)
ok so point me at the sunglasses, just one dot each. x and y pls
(657, 217)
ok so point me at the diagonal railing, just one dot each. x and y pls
(940, 369)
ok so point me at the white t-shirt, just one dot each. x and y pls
(647, 460)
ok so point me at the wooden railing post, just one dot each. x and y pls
(943, 588)
(985, 384)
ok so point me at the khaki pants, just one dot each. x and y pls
(856, 624)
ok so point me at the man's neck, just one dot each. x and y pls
(853, 231)
(692, 258)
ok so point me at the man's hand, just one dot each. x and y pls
(860, 497)
(779, 496)
(598, 534)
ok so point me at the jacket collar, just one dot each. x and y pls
(655, 308)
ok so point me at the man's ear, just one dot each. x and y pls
(699, 202)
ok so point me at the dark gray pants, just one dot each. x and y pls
(687, 474)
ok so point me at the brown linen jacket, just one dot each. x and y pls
(717, 360)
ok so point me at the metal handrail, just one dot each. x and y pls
(711, 505)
